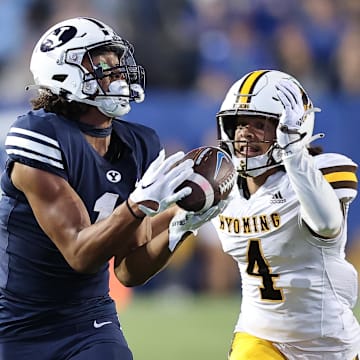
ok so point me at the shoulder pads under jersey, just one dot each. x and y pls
(340, 172)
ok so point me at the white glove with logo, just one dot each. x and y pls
(155, 192)
(185, 222)
(288, 133)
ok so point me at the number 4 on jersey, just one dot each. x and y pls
(258, 266)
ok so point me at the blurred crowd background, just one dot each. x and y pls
(192, 51)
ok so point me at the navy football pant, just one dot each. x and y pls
(71, 343)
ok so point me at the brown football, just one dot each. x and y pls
(213, 179)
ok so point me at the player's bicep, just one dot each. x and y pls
(57, 208)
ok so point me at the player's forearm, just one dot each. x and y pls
(118, 234)
(160, 222)
(320, 207)
(144, 262)
(168, 232)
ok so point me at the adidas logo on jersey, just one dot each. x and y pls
(277, 198)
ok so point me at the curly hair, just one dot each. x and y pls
(59, 105)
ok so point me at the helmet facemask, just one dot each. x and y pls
(128, 86)
(246, 164)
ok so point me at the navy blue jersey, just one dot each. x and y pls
(32, 269)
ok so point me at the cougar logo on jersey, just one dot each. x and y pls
(58, 38)
(113, 176)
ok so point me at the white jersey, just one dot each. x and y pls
(295, 286)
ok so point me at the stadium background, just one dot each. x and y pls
(192, 51)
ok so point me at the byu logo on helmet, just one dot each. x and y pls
(113, 176)
(58, 37)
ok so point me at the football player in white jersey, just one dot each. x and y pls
(286, 226)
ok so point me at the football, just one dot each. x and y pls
(213, 179)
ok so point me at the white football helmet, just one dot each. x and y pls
(56, 64)
(255, 94)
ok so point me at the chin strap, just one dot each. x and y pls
(257, 165)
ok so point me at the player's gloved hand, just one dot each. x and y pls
(289, 133)
(185, 222)
(155, 192)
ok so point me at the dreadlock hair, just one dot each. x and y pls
(59, 105)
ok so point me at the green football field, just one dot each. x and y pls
(177, 327)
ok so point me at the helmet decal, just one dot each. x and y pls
(58, 37)
(99, 24)
(247, 87)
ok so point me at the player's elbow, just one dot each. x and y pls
(329, 233)
(325, 221)
(82, 265)
(130, 278)
(130, 281)
(327, 229)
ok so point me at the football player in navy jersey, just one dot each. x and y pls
(80, 187)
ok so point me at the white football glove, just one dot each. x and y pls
(185, 222)
(155, 192)
(288, 133)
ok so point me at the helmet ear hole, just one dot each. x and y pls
(60, 77)
(90, 87)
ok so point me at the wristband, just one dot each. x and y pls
(132, 211)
